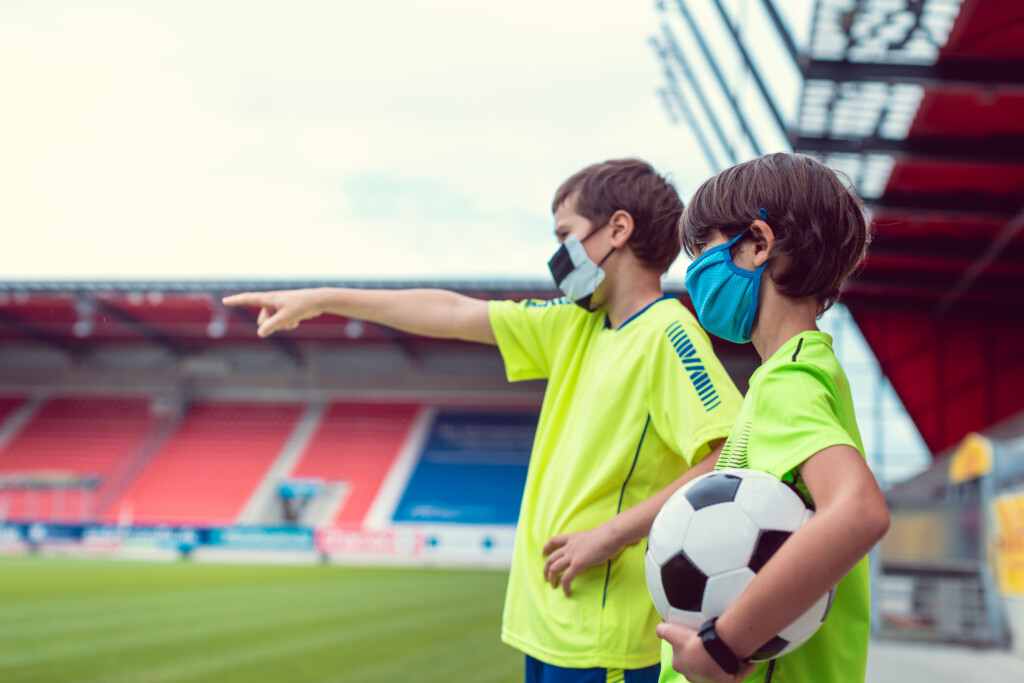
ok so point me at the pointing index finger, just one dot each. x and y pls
(243, 299)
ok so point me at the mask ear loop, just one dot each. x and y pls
(763, 213)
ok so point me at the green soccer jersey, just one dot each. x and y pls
(625, 413)
(799, 403)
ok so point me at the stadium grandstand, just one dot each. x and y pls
(131, 405)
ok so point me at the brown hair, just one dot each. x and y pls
(633, 186)
(821, 234)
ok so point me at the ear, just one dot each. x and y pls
(622, 228)
(763, 238)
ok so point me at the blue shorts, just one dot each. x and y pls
(539, 672)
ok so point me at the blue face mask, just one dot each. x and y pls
(724, 295)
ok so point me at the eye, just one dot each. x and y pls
(699, 247)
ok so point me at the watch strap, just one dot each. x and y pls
(716, 647)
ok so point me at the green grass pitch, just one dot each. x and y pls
(95, 620)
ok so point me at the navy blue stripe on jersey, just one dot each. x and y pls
(541, 303)
(799, 345)
(622, 492)
(632, 467)
(687, 353)
(644, 309)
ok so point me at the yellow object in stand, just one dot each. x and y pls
(1009, 543)
(971, 460)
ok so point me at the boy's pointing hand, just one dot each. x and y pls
(281, 310)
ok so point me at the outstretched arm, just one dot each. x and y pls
(570, 554)
(427, 312)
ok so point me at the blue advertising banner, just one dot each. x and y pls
(260, 538)
(163, 537)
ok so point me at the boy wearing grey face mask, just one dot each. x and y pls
(635, 403)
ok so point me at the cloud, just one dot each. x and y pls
(230, 139)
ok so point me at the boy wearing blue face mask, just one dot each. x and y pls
(774, 238)
(635, 403)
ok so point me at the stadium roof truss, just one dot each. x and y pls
(183, 318)
(921, 104)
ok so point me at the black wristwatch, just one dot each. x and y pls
(719, 651)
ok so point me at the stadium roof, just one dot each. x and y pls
(186, 316)
(933, 134)
(933, 130)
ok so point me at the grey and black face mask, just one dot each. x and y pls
(575, 273)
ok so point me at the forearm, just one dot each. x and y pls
(426, 312)
(569, 554)
(634, 524)
(813, 560)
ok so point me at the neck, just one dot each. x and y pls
(779, 319)
(627, 297)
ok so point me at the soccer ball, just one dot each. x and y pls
(712, 537)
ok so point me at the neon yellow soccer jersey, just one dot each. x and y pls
(799, 403)
(625, 413)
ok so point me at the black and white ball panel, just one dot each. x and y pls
(666, 539)
(705, 491)
(809, 620)
(797, 633)
(655, 585)
(723, 589)
(684, 583)
(768, 541)
(771, 505)
(714, 551)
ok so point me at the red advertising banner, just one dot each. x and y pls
(359, 541)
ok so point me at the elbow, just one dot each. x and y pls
(875, 518)
(867, 516)
(881, 521)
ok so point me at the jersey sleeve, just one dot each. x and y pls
(526, 332)
(799, 412)
(693, 400)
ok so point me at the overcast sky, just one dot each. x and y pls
(315, 139)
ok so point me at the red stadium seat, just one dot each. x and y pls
(82, 436)
(357, 443)
(208, 469)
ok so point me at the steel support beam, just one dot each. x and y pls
(784, 34)
(970, 276)
(752, 70)
(147, 331)
(35, 334)
(974, 203)
(939, 286)
(995, 149)
(713, 65)
(673, 90)
(908, 302)
(968, 248)
(973, 73)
